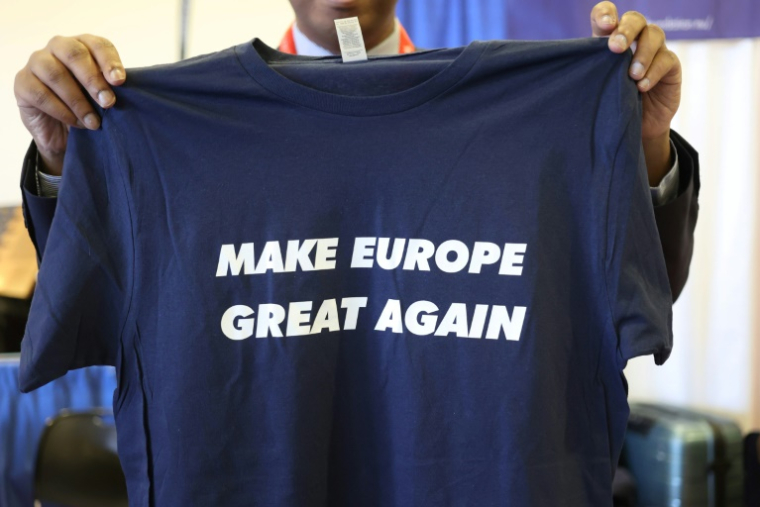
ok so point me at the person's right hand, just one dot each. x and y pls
(50, 91)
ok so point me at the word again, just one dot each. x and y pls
(421, 318)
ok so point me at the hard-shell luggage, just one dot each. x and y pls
(684, 458)
(752, 470)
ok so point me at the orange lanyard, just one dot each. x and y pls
(288, 43)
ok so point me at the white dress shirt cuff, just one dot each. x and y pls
(47, 184)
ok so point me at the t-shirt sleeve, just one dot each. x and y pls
(83, 288)
(637, 280)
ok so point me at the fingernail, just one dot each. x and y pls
(620, 41)
(637, 69)
(106, 98)
(117, 74)
(91, 121)
(607, 19)
(644, 83)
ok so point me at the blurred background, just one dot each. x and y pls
(715, 364)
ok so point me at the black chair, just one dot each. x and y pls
(77, 464)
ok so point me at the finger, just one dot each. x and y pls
(76, 57)
(651, 40)
(106, 56)
(31, 93)
(604, 17)
(628, 30)
(664, 65)
(58, 80)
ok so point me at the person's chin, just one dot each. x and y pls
(342, 5)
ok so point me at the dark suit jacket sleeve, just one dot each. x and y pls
(38, 211)
(677, 219)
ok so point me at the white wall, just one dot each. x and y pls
(716, 357)
(145, 32)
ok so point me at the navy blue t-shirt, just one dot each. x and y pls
(411, 281)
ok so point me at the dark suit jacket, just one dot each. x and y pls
(675, 220)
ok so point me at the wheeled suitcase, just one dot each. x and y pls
(684, 458)
(752, 470)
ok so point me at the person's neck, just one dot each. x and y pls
(388, 45)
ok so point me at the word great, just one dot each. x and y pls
(420, 318)
(451, 256)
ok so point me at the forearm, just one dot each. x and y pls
(659, 158)
(667, 188)
(50, 161)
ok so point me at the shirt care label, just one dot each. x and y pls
(351, 40)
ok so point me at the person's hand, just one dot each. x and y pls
(50, 91)
(657, 72)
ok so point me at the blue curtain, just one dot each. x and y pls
(446, 23)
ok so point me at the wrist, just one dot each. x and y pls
(659, 158)
(51, 161)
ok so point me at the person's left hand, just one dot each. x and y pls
(657, 72)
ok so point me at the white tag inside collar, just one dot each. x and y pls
(351, 40)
